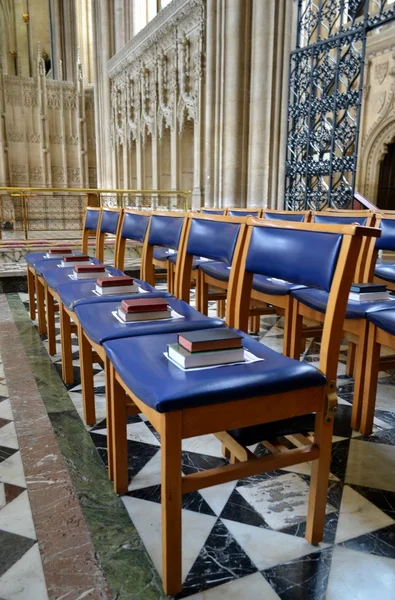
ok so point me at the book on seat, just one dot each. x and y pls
(89, 271)
(119, 284)
(70, 261)
(206, 340)
(56, 252)
(144, 309)
(368, 292)
(193, 360)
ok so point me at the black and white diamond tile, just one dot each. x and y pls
(246, 538)
(21, 572)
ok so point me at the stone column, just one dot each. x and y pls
(4, 178)
(209, 101)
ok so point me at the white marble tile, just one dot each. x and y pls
(147, 519)
(5, 410)
(267, 548)
(282, 501)
(2, 495)
(16, 517)
(11, 470)
(203, 444)
(139, 432)
(25, 579)
(358, 516)
(8, 436)
(371, 465)
(253, 587)
(217, 496)
(149, 475)
(360, 576)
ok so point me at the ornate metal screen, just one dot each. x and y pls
(325, 95)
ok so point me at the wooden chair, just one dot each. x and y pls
(213, 239)
(381, 333)
(244, 212)
(287, 215)
(384, 272)
(183, 404)
(91, 220)
(213, 211)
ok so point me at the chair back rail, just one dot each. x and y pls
(110, 224)
(134, 227)
(91, 224)
(209, 236)
(299, 216)
(166, 230)
(365, 218)
(213, 211)
(322, 256)
(244, 212)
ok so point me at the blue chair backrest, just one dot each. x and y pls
(213, 212)
(244, 213)
(165, 231)
(387, 239)
(338, 220)
(304, 257)
(213, 239)
(91, 219)
(134, 226)
(109, 221)
(283, 217)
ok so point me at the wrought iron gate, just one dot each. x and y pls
(324, 99)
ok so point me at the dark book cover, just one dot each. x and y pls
(89, 269)
(60, 251)
(368, 288)
(82, 258)
(115, 281)
(144, 305)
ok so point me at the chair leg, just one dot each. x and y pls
(370, 383)
(86, 366)
(255, 324)
(51, 332)
(118, 411)
(319, 480)
(170, 277)
(31, 292)
(67, 351)
(352, 348)
(42, 325)
(110, 457)
(221, 308)
(295, 342)
(288, 316)
(171, 494)
(359, 371)
(201, 294)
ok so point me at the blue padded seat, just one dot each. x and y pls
(164, 253)
(134, 226)
(164, 387)
(196, 261)
(50, 264)
(213, 212)
(339, 220)
(281, 217)
(100, 325)
(55, 277)
(213, 239)
(385, 271)
(109, 221)
(81, 292)
(247, 436)
(244, 213)
(387, 239)
(91, 219)
(273, 286)
(34, 257)
(216, 269)
(385, 319)
(318, 299)
(165, 231)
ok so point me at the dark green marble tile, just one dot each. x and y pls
(126, 565)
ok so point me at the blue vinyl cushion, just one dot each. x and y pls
(213, 212)
(81, 292)
(254, 212)
(196, 261)
(109, 221)
(269, 431)
(338, 220)
(385, 271)
(303, 257)
(134, 226)
(55, 277)
(216, 269)
(163, 253)
(273, 216)
(387, 239)
(100, 325)
(213, 239)
(165, 231)
(43, 266)
(91, 219)
(318, 299)
(164, 387)
(34, 257)
(272, 286)
(385, 319)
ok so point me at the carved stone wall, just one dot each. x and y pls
(47, 131)
(378, 110)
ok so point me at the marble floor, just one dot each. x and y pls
(245, 538)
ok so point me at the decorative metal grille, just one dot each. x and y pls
(324, 101)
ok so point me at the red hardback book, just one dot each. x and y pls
(73, 259)
(89, 268)
(144, 305)
(115, 281)
(60, 251)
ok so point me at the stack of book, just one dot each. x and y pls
(368, 292)
(57, 252)
(119, 284)
(144, 309)
(70, 261)
(89, 271)
(207, 347)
